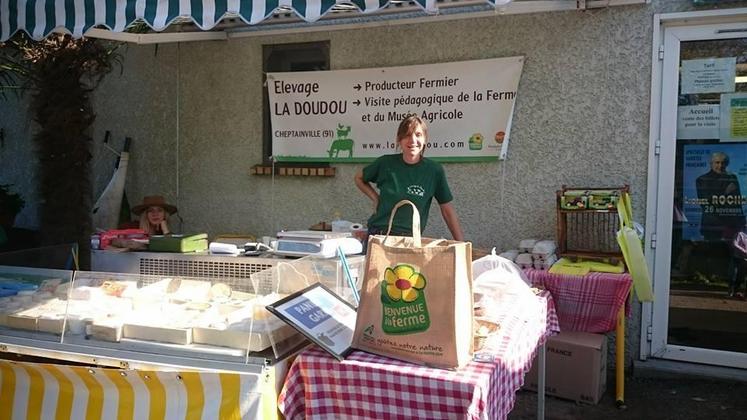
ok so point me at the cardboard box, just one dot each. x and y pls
(576, 367)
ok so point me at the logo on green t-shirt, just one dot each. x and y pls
(416, 190)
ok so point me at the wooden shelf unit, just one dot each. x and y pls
(588, 233)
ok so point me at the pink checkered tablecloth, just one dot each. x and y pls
(589, 303)
(375, 387)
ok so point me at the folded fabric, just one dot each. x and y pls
(569, 270)
(585, 267)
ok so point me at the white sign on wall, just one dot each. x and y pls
(353, 115)
(709, 75)
(698, 122)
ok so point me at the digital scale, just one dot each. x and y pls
(300, 243)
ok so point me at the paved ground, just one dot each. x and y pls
(648, 398)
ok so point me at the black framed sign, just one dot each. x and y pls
(321, 315)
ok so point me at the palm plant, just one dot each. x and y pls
(60, 73)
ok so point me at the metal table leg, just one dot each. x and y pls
(541, 382)
(620, 359)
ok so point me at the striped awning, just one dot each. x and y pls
(41, 17)
(47, 391)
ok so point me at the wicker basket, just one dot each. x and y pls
(483, 328)
(586, 232)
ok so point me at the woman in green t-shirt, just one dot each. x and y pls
(407, 175)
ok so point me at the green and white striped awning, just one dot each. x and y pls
(41, 17)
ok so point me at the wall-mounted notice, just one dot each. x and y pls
(734, 117)
(709, 75)
(698, 122)
(352, 115)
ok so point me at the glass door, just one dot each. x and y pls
(700, 312)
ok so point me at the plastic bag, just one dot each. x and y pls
(507, 271)
(740, 245)
(497, 281)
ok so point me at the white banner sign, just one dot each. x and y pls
(353, 115)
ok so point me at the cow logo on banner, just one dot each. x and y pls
(403, 300)
(343, 143)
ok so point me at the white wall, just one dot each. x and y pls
(580, 119)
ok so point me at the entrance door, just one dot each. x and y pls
(700, 313)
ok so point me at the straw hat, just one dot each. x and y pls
(153, 201)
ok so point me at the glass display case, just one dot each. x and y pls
(291, 275)
(122, 319)
(24, 297)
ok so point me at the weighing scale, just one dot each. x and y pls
(300, 243)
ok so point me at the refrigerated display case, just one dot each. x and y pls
(217, 321)
(163, 322)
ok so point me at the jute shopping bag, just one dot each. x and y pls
(416, 299)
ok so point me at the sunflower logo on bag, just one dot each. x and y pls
(403, 301)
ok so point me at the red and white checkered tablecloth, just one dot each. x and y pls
(375, 387)
(589, 303)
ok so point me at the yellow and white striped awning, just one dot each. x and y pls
(47, 391)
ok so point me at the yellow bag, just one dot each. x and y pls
(632, 250)
(416, 300)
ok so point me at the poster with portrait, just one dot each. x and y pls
(714, 184)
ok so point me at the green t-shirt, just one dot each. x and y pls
(397, 180)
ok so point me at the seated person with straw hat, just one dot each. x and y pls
(154, 214)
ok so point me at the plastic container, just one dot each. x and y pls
(341, 226)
